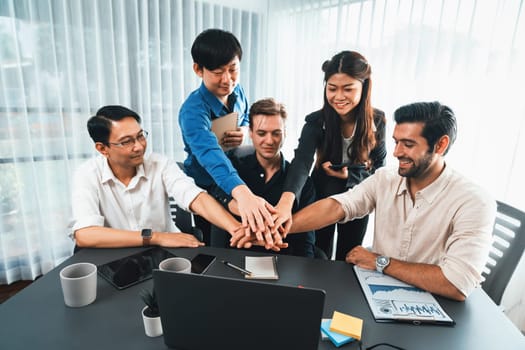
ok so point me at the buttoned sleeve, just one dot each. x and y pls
(85, 198)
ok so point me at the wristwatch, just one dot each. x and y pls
(382, 262)
(146, 234)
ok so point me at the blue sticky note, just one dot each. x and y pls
(336, 338)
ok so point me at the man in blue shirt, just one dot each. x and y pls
(216, 55)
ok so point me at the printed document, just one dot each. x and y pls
(392, 300)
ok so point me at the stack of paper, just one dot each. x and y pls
(342, 328)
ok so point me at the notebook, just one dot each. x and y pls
(209, 312)
(261, 267)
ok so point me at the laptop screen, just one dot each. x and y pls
(209, 312)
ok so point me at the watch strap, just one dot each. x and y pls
(146, 237)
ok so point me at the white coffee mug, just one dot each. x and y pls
(177, 264)
(79, 284)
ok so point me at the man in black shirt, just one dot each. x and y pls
(263, 168)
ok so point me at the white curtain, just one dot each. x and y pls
(467, 54)
(61, 60)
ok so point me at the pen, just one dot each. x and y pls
(240, 269)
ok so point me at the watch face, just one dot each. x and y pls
(146, 233)
(382, 260)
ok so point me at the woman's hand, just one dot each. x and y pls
(340, 174)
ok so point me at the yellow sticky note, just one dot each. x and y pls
(347, 325)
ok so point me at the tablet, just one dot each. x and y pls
(125, 272)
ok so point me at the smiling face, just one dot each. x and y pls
(124, 158)
(343, 93)
(222, 80)
(267, 135)
(416, 160)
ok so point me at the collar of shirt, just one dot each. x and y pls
(430, 192)
(253, 170)
(216, 106)
(107, 174)
(251, 161)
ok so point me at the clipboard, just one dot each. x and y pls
(222, 124)
(391, 300)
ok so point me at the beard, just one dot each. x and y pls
(418, 168)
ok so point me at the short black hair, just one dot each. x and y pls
(99, 125)
(439, 120)
(214, 48)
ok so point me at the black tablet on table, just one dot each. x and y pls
(130, 270)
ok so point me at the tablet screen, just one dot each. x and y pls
(133, 269)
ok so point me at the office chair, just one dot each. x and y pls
(319, 253)
(506, 251)
(184, 220)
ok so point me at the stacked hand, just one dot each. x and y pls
(262, 223)
(241, 239)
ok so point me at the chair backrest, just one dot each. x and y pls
(184, 220)
(506, 251)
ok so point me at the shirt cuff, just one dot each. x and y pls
(339, 198)
(189, 196)
(93, 220)
(232, 184)
(461, 275)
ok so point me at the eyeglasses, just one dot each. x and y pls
(129, 143)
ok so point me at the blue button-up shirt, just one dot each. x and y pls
(206, 162)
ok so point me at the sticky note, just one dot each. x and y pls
(336, 338)
(348, 325)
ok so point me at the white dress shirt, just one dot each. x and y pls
(100, 199)
(449, 223)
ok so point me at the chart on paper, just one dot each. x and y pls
(391, 299)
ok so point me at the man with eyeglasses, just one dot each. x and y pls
(121, 198)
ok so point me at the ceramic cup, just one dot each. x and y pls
(177, 264)
(79, 284)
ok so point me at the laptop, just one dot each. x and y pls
(210, 312)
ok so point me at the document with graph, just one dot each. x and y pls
(394, 301)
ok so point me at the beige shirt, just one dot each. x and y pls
(449, 224)
(100, 199)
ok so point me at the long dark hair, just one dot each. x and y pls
(355, 65)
